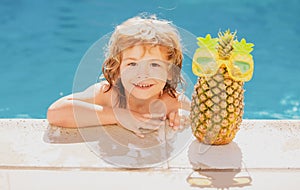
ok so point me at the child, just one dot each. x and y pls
(142, 70)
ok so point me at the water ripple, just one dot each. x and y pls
(67, 18)
(67, 25)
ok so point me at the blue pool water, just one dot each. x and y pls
(42, 43)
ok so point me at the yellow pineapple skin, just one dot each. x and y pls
(217, 108)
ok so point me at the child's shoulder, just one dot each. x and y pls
(98, 88)
(100, 92)
(101, 87)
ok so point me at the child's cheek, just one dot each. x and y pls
(159, 74)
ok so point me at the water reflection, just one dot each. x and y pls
(122, 148)
(217, 166)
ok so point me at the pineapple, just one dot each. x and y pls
(223, 64)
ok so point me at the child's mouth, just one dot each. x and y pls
(143, 86)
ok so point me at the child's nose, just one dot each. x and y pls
(143, 70)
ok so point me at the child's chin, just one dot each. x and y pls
(143, 96)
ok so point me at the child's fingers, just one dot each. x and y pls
(174, 120)
(177, 120)
(153, 124)
(184, 120)
(171, 117)
(161, 116)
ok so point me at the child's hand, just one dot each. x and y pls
(174, 119)
(138, 123)
(178, 118)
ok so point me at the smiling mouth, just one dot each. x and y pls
(143, 86)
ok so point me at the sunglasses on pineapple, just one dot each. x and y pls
(206, 60)
(240, 67)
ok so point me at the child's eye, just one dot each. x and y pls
(131, 64)
(155, 65)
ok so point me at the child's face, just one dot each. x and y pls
(144, 70)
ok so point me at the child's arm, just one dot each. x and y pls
(82, 109)
(91, 108)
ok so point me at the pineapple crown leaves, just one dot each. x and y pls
(227, 35)
(225, 43)
(243, 47)
(208, 42)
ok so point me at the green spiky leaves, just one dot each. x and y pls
(243, 47)
(225, 44)
(208, 42)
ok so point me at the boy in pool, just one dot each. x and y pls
(142, 71)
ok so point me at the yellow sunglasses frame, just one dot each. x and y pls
(240, 65)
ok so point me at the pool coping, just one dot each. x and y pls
(261, 148)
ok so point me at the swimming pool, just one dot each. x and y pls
(42, 43)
